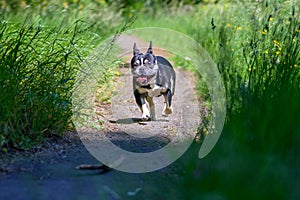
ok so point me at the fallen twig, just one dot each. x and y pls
(92, 167)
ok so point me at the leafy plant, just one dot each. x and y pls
(42, 47)
(37, 69)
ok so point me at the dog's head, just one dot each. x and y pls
(143, 66)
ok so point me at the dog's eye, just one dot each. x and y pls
(147, 61)
(136, 63)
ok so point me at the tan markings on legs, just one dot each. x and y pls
(167, 109)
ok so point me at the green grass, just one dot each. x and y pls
(255, 45)
(36, 79)
(256, 48)
(258, 57)
(42, 48)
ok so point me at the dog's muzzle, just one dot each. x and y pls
(145, 80)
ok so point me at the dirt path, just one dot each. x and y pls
(161, 141)
(52, 175)
(184, 120)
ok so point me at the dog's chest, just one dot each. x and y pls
(152, 92)
(143, 90)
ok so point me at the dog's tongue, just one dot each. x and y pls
(141, 79)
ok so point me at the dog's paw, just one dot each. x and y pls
(146, 116)
(167, 111)
(146, 113)
(144, 119)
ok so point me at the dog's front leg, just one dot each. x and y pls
(152, 107)
(140, 100)
(146, 114)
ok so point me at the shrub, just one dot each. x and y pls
(36, 77)
(43, 44)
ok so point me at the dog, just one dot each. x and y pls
(153, 76)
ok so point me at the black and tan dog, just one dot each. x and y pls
(153, 76)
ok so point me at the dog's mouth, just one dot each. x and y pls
(142, 79)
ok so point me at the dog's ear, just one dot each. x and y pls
(135, 50)
(150, 48)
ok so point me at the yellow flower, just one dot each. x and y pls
(23, 3)
(228, 25)
(264, 32)
(65, 5)
(276, 42)
(237, 28)
(298, 30)
(295, 65)
(271, 19)
(277, 52)
(266, 51)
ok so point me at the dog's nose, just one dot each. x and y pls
(142, 70)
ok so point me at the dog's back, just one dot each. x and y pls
(166, 75)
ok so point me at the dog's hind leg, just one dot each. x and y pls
(140, 100)
(168, 107)
(152, 107)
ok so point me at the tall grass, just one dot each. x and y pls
(257, 51)
(256, 47)
(37, 70)
(254, 43)
(271, 56)
(42, 47)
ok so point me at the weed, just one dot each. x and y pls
(42, 48)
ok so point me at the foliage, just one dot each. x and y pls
(258, 57)
(255, 44)
(42, 48)
(107, 82)
(256, 47)
(37, 71)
